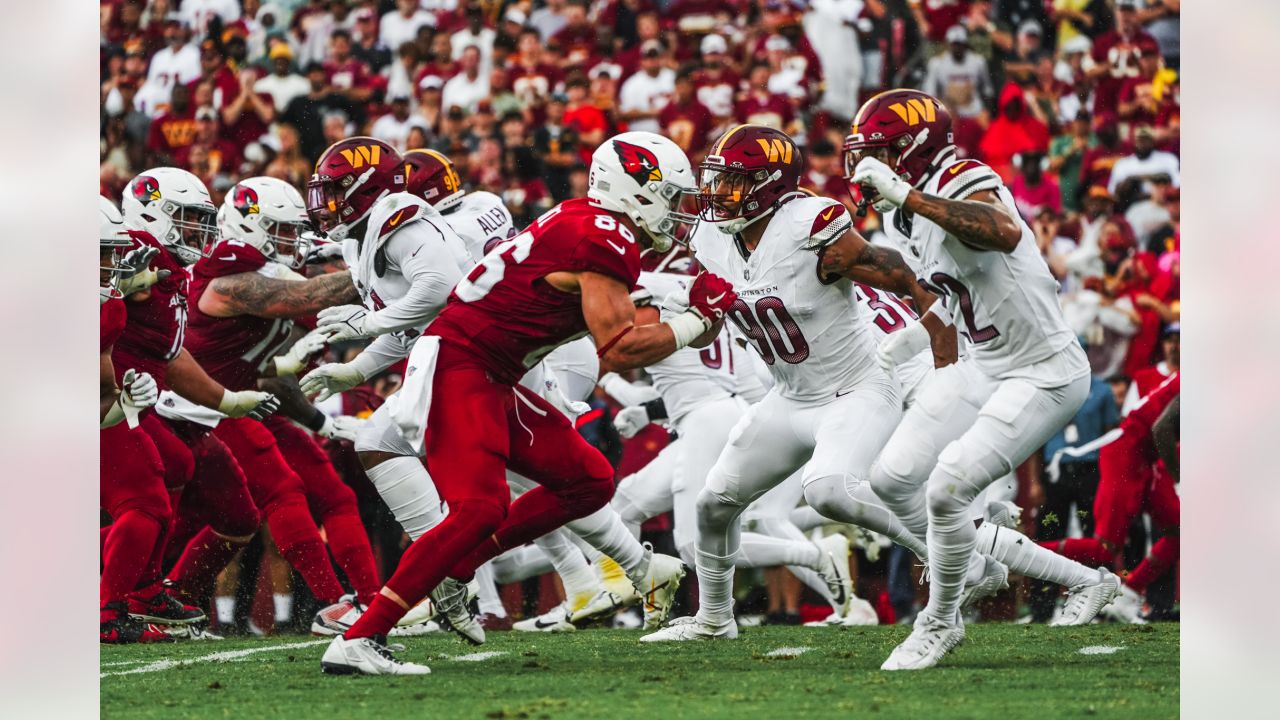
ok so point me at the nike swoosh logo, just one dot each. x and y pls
(842, 394)
(229, 258)
(621, 250)
(956, 168)
(415, 252)
(827, 215)
(716, 299)
(396, 220)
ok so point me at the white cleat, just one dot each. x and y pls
(658, 588)
(995, 577)
(337, 618)
(190, 631)
(690, 628)
(860, 613)
(365, 656)
(554, 620)
(929, 640)
(603, 605)
(1004, 513)
(1084, 602)
(1127, 607)
(835, 571)
(451, 601)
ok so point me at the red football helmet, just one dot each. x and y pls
(749, 172)
(350, 177)
(431, 176)
(905, 129)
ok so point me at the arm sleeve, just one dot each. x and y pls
(421, 253)
(381, 354)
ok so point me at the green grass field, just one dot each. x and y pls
(1001, 671)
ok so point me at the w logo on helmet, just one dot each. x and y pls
(245, 199)
(145, 189)
(914, 111)
(776, 150)
(640, 163)
(358, 156)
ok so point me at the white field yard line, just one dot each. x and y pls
(787, 651)
(478, 656)
(1100, 649)
(225, 656)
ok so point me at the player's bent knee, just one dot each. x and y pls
(715, 510)
(947, 495)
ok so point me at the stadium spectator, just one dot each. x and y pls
(401, 25)
(1117, 55)
(283, 85)
(1144, 164)
(1032, 189)
(177, 63)
(960, 78)
(393, 128)
(307, 112)
(466, 89)
(685, 120)
(1014, 130)
(645, 93)
(474, 34)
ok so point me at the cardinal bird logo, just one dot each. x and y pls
(640, 163)
(246, 200)
(146, 189)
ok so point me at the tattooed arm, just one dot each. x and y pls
(981, 220)
(253, 294)
(851, 256)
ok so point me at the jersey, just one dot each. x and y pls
(1138, 423)
(505, 313)
(887, 314)
(482, 221)
(156, 326)
(807, 328)
(234, 350)
(112, 316)
(690, 376)
(1005, 305)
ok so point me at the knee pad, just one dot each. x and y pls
(715, 511)
(156, 508)
(949, 493)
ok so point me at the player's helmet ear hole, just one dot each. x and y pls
(643, 200)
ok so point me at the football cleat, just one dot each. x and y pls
(658, 587)
(860, 613)
(691, 628)
(192, 631)
(366, 656)
(929, 640)
(602, 606)
(452, 603)
(995, 577)
(1085, 601)
(554, 620)
(337, 618)
(1004, 514)
(123, 628)
(1127, 607)
(164, 609)
(835, 571)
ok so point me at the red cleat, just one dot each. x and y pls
(123, 629)
(164, 609)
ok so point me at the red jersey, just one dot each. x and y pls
(154, 332)
(506, 314)
(687, 125)
(717, 92)
(111, 319)
(1148, 379)
(771, 110)
(1120, 55)
(1139, 421)
(233, 350)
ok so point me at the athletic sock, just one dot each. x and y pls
(299, 542)
(128, 550)
(1025, 557)
(806, 518)
(1163, 555)
(605, 531)
(574, 571)
(520, 564)
(1090, 551)
(377, 619)
(715, 588)
(349, 543)
(407, 489)
(757, 550)
(283, 604)
(225, 606)
(204, 557)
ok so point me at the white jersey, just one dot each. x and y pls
(404, 269)
(481, 220)
(887, 313)
(808, 330)
(1004, 304)
(690, 376)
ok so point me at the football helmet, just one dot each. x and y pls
(113, 241)
(431, 176)
(908, 130)
(749, 172)
(268, 214)
(646, 177)
(174, 207)
(350, 177)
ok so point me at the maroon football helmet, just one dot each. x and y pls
(749, 172)
(431, 176)
(905, 129)
(350, 177)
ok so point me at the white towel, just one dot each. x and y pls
(411, 404)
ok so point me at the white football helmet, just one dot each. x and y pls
(174, 206)
(646, 177)
(113, 242)
(268, 214)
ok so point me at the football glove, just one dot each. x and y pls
(627, 393)
(891, 189)
(138, 393)
(292, 362)
(248, 403)
(137, 274)
(343, 427)
(711, 296)
(330, 379)
(902, 345)
(344, 322)
(631, 420)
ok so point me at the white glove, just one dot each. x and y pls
(631, 420)
(292, 362)
(627, 393)
(343, 427)
(344, 322)
(248, 403)
(139, 276)
(138, 393)
(889, 185)
(330, 379)
(902, 345)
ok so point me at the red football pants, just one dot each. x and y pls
(131, 489)
(278, 492)
(1129, 481)
(476, 429)
(333, 502)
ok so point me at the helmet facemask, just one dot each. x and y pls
(290, 241)
(677, 224)
(327, 204)
(726, 196)
(193, 232)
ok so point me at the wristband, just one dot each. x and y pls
(940, 310)
(655, 409)
(316, 421)
(687, 326)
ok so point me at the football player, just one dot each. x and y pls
(1024, 374)
(247, 296)
(831, 407)
(480, 218)
(568, 275)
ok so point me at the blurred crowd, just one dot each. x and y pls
(1074, 102)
